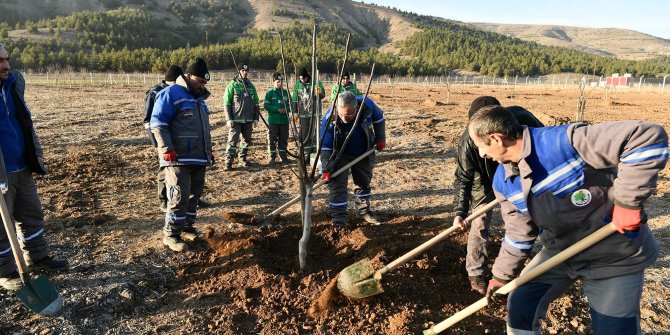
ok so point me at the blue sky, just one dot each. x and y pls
(647, 16)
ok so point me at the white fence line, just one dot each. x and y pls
(147, 79)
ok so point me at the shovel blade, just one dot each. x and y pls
(40, 295)
(356, 281)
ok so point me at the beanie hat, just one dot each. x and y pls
(483, 101)
(199, 68)
(277, 76)
(244, 67)
(173, 73)
(304, 73)
(345, 75)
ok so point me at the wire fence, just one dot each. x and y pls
(78, 79)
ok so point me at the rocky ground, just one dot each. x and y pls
(102, 214)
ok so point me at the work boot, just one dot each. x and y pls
(190, 234)
(48, 264)
(11, 282)
(204, 204)
(175, 243)
(228, 167)
(478, 283)
(272, 161)
(285, 160)
(370, 219)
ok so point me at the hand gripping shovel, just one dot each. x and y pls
(38, 294)
(355, 282)
(531, 274)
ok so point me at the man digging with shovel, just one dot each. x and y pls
(21, 154)
(565, 183)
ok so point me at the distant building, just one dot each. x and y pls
(620, 81)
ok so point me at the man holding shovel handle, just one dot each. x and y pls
(566, 182)
(21, 155)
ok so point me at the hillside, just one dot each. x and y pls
(149, 35)
(620, 43)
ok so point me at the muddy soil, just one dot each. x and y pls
(102, 214)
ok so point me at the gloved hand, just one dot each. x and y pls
(460, 222)
(296, 118)
(230, 123)
(626, 219)
(326, 176)
(211, 157)
(282, 110)
(381, 145)
(170, 156)
(255, 123)
(491, 296)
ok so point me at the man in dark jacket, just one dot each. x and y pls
(366, 132)
(180, 122)
(21, 155)
(473, 187)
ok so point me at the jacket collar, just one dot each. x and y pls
(512, 169)
(181, 81)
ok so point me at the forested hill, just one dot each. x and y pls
(148, 35)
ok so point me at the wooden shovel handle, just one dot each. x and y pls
(11, 234)
(420, 249)
(529, 275)
(321, 182)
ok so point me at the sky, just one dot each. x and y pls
(647, 16)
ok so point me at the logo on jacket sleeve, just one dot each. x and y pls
(581, 198)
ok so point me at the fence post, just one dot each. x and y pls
(663, 88)
(639, 86)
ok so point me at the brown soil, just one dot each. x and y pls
(102, 214)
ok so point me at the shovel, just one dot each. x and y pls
(361, 280)
(38, 294)
(531, 274)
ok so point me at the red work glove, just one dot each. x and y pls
(381, 145)
(326, 176)
(170, 156)
(211, 157)
(626, 219)
(491, 296)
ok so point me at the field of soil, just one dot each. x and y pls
(102, 214)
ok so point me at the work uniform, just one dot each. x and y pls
(21, 154)
(349, 88)
(370, 129)
(473, 187)
(180, 122)
(563, 189)
(278, 122)
(301, 100)
(241, 106)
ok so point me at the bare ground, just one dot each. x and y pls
(102, 214)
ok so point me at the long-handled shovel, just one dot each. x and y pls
(321, 183)
(39, 294)
(361, 280)
(531, 274)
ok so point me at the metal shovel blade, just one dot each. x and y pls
(40, 295)
(357, 281)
